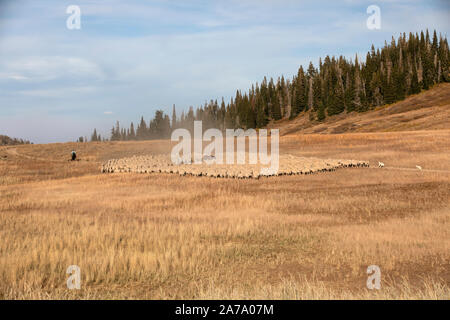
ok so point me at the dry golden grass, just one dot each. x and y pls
(162, 236)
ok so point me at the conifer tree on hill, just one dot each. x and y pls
(405, 66)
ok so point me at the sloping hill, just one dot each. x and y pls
(428, 110)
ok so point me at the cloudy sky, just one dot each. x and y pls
(132, 57)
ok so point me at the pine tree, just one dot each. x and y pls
(399, 84)
(300, 93)
(338, 101)
(310, 103)
(174, 118)
(415, 87)
(375, 85)
(229, 123)
(357, 103)
(388, 88)
(261, 120)
(142, 131)
(317, 91)
(321, 112)
(349, 93)
(115, 134)
(94, 136)
(132, 134)
(276, 109)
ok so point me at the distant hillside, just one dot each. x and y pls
(429, 110)
(336, 88)
(6, 141)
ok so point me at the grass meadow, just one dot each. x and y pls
(163, 236)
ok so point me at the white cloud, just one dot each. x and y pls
(67, 92)
(13, 76)
(45, 68)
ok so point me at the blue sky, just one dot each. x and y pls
(131, 58)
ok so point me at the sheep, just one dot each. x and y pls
(289, 165)
(419, 167)
(380, 164)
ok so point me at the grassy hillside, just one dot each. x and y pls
(429, 110)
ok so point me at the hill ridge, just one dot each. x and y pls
(428, 110)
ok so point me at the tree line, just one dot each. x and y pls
(402, 67)
(7, 141)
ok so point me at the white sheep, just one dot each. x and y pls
(419, 167)
(380, 164)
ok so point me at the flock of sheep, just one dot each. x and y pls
(288, 165)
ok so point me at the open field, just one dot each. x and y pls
(166, 236)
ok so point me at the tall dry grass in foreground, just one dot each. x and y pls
(165, 236)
